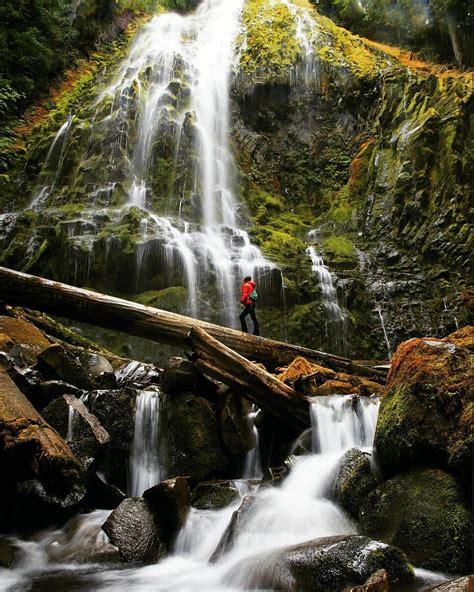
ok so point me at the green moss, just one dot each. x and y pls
(172, 298)
(425, 514)
(270, 48)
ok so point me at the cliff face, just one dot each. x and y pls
(340, 147)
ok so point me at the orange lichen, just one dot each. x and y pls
(301, 367)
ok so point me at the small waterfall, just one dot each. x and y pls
(253, 461)
(52, 165)
(148, 453)
(378, 309)
(335, 316)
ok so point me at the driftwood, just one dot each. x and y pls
(30, 445)
(37, 293)
(248, 379)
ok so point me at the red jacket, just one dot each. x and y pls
(246, 289)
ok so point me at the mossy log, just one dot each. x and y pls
(37, 293)
(248, 379)
(30, 447)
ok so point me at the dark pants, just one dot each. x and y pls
(249, 310)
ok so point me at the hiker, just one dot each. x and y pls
(248, 300)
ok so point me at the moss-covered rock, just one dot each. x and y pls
(214, 495)
(194, 446)
(426, 417)
(354, 481)
(424, 512)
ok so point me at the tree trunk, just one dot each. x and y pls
(30, 448)
(22, 289)
(248, 379)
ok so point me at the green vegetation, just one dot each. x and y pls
(438, 29)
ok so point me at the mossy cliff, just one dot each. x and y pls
(331, 135)
(372, 156)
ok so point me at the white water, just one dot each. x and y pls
(178, 74)
(335, 316)
(148, 453)
(253, 461)
(378, 310)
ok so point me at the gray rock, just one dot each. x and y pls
(7, 553)
(56, 362)
(169, 501)
(137, 374)
(331, 563)
(213, 495)
(132, 528)
(354, 481)
(179, 376)
(239, 519)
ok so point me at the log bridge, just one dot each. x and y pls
(221, 352)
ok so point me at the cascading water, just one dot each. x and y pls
(148, 453)
(335, 315)
(253, 461)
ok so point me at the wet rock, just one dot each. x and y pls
(234, 429)
(132, 528)
(378, 582)
(465, 584)
(426, 417)
(115, 409)
(213, 495)
(170, 502)
(7, 553)
(239, 519)
(137, 374)
(52, 389)
(331, 563)
(28, 339)
(102, 495)
(57, 414)
(354, 481)
(88, 437)
(95, 364)
(56, 362)
(335, 387)
(424, 512)
(194, 444)
(179, 376)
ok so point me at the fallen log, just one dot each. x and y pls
(21, 289)
(30, 448)
(99, 432)
(248, 379)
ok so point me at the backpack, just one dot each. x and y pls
(254, 295)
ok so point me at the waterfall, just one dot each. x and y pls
(253, 462)
(378, 310)
(335, 316)
(148, 453)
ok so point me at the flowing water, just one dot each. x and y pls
(253, 460)
(336, 317)
(148, 453)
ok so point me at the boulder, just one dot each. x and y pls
(194, 445)
(137, 374)
(29, 340)
(233, 423)
(57, 414)
(52, 389)
(354, 481)
(213, 495)
(88, 437)
(179, 376)
(7, 552)
(115, 410)
(331, 563)
(459, 585)
(378, 582)
(335, 387)
(57, 362)
(427, 416)
(239, 518)
(131, 527)
(170, 503)
(424, 512)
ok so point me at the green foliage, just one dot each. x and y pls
(439, 29)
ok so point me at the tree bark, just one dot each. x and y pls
(30, 448)
(248, 379)
(37, 293)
